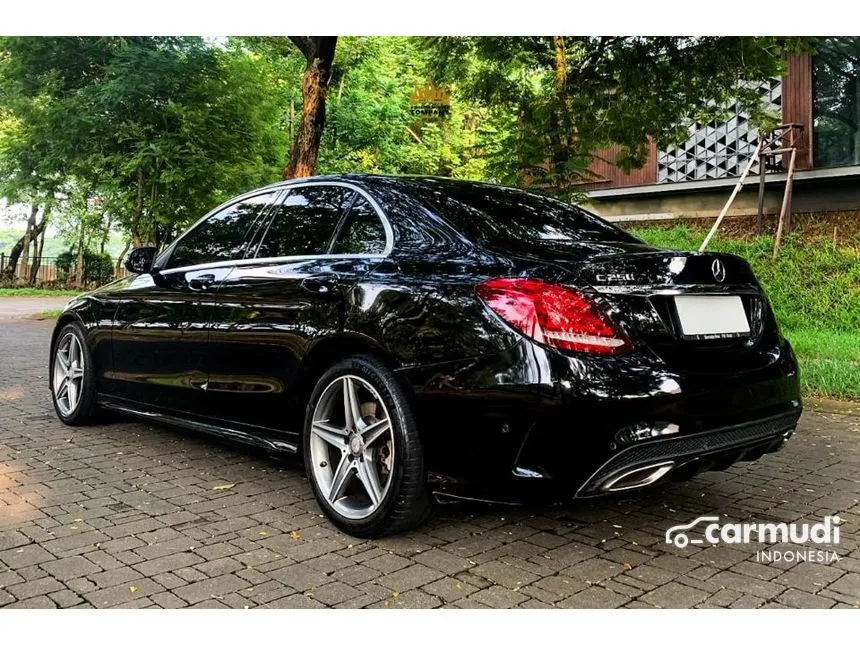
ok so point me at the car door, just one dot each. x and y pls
(271, 308)
(161, 324)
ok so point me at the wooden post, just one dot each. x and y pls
(734, 194)
(759, 218)
(785, 211)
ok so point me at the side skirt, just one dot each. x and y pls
(231, 434)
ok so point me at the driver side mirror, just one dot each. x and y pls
(140, 259)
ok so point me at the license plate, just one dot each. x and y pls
(712, 316)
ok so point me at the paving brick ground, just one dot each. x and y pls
(130, 515)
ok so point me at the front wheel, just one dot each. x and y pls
(73, 378)
(362, 451)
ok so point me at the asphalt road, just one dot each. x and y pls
(19, 307)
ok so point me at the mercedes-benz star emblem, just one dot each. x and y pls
(719, 270)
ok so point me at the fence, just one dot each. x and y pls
(48, 271)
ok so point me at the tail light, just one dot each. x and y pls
(554, 315)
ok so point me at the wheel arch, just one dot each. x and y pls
(65, 318)
(327, 351)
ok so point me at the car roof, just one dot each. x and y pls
(367, 179)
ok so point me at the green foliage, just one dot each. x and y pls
(160, 128)
(829, 362)
(98, 267)
(559, 99)
(370, 124)
(36, 292)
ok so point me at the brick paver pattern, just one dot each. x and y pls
(130, 514)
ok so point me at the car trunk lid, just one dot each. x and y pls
(640, 287)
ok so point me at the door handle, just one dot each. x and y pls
(320, 284)
(201, 282)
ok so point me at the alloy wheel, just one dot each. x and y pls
(68, 377)
(352, 447)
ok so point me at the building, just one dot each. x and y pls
(821, 92)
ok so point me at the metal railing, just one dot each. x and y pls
(48, 271)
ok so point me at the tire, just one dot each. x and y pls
(397, 459)
(83, 409)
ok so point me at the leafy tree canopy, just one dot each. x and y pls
(160, 128)
(556, 100)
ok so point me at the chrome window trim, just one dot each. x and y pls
(285, 259)
(286, 186)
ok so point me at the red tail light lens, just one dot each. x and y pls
(554, 315)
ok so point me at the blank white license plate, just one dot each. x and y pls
(712, 315)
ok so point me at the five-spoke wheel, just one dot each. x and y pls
(68, 374)
(362, 450)
(72, 377)
(352, 446)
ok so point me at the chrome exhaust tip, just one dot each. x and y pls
(639, 477)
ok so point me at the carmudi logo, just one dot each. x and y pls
(708, 530)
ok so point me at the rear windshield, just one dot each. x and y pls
(495, 215)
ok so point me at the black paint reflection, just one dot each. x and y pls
(237, 345)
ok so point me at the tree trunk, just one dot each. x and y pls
(14, 254)
(28, 238)
(33, 230)
(39, 247)
(79, 263)
(119, 259)
(319, 53)
(134, 227)
(105, 234)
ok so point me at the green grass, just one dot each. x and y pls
(46, 315)
(829, 362)
(814, 289)
(29, 291)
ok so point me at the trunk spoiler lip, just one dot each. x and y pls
(677, 289)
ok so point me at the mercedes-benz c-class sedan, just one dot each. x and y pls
(413, 337)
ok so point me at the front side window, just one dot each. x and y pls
(222, 236)
(362, 232)
(304, 222)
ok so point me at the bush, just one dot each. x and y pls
(98, 267)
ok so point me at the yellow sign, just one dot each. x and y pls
(430, 100)
(429, 94)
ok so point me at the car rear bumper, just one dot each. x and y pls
(532, 425)
(680, 458)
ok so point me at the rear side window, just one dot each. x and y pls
(304, 222)
(500, 216)
(362, 232)
(222, 236)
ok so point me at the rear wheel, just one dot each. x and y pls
(362, 451)
(73, 388)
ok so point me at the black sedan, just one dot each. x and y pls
(416, 336)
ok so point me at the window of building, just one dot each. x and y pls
(836, 108)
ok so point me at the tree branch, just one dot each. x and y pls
(305, 44)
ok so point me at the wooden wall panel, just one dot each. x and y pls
(796, 108)
(610, 176)
(797, 103)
